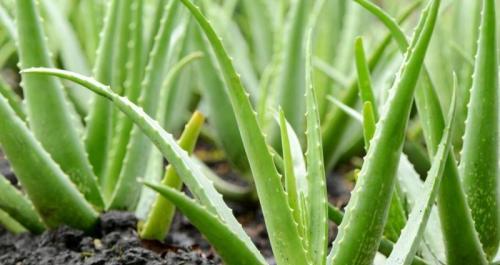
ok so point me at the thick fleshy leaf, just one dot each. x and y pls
(316, 201)
(50, 117)
(159, 219)
(279, 218)
(19, 207)
(55, 198)
(98, 121)
(10, 224)
(188, 170)
(291, 164)
(408, 243)
(480, 154)
(126, 194)
(335, 122)
(462, 243)
(227, 244)
(366, 214)
(71, 52)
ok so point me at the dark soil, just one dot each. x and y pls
(115, 242)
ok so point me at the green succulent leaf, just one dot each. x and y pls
(316, 201)
(7, 23)
(229, 245)
(362, 228)
(386, 246)
(369, 121)
(55, 198)
(461, 241)
(127, 192)
(480, 156)
(334, 125)
(364, 79)
(98, 121)
(13, 99)
(50, 117)
(71, 52)
(10, 224)
(408, 243)
(191, 174)
(19, 207)
(294, 168)
(290, 81)
(279, 218)
(157, 224)
(224, 121)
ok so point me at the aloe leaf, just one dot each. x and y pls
(262, 35)
(71, 53)
(408, 242)
(98, 121)
(411, 189)
(121, 42)
(234, 41)
(13, 99)
(53, 126)
(364, 79)
(168, 114)
(348, 110)
(334, 126)
(10, 224)
(191, 174)
(133, 163)
(88, 23)
(335, 75)
(159, 219)
(154, 172)
(132, 90)
(7, 23)
(461, 241)
(397, 216)
(369, 121)
(228, 245)
(18, 207)
(55, 198)
(291, 170)
(325, 49)
(316, 202)
(223, 121)
(480, 156)
(290, 82)
(229, 191)
(386, 246)
(362, 228)
(279, 219)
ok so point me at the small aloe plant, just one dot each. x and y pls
(88, 153)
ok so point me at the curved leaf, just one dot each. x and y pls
(18, 207)
(56, 199)
(480, 153)
(461, 241)
(408, 242)
(362, 228)
(157, 224)
(282, 229)
(50, 117)
(191, 174)
(228, 245)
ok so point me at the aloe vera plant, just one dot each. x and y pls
(78, 152)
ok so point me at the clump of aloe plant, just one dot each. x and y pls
(410, 165)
